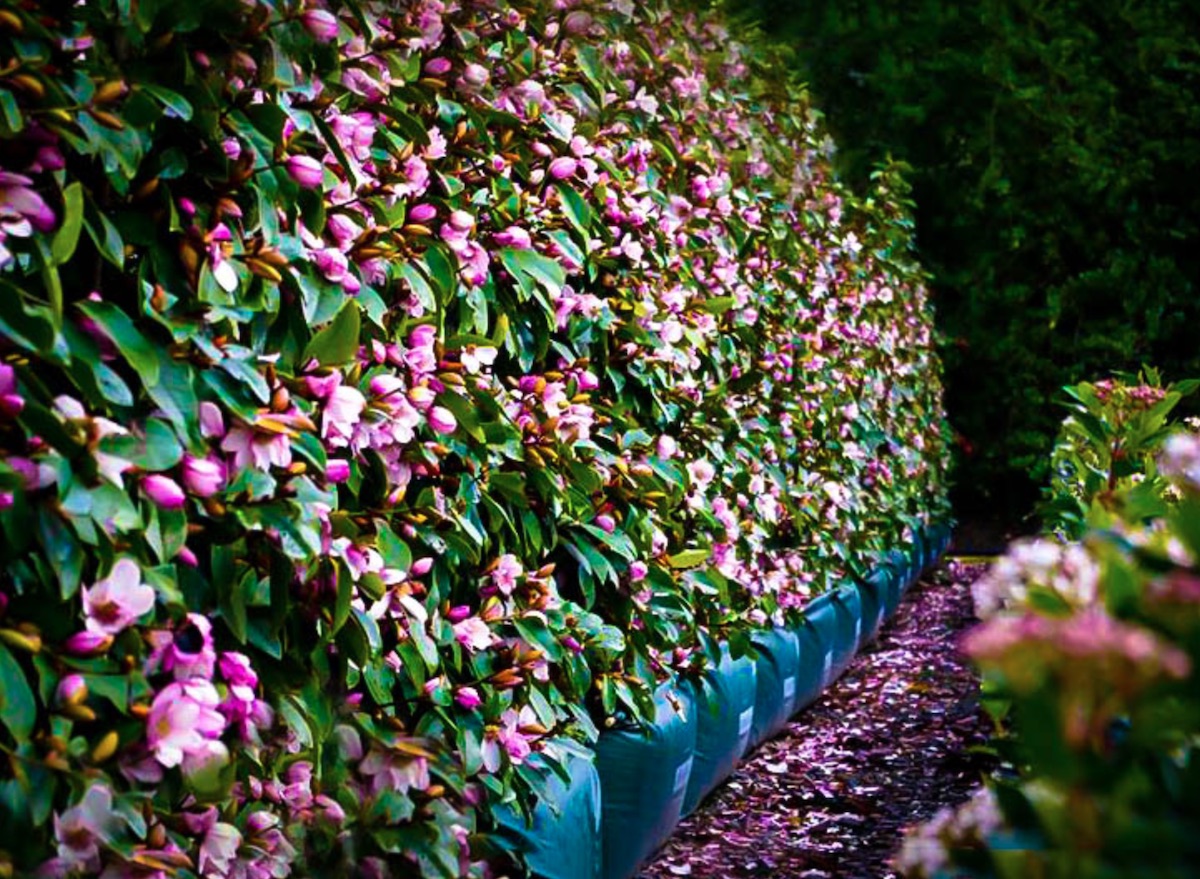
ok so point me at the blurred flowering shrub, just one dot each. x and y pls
(1090, 651)
(388, 389)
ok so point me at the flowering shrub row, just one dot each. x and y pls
(1090, 642)
(388, 388)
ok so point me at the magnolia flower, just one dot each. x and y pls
(79, 830)
(185, 722)
(508, 569)
(219, 849)
(563, 167)
(473, 633)
(116, 602)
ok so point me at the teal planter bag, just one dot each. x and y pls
(644, 773)
(837, 617)
(725, 698)
(873, 593)
(896, 564)
(810, 677)
(776, 676)
(563, 839)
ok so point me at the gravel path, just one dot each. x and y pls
(886, 746)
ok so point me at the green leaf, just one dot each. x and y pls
(134, 347)
(576, 210)
(67, 236)
(174, 104)
(11, 118)
(337, 344)
(688, 558)
(392, 549)
(18, 710)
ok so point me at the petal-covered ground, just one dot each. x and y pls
(887, 745)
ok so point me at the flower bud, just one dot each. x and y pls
(163, 491)
(87, 643)
(321, 24)
(203, 477)
(468, 698)
(337, 470)
(306, 171)
(72, 690)
(563, 167)
(442, 420)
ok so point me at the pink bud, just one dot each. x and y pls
(72, 690)
(606, 523)
(187, 206)
(203, 477)
(468, 698)
(87, 643)
(306, 171)
(514, 236)
(458, 613)
(571, 644)
(187, 557)
(461, 220)
(163, 491)
(11, 405)
(475, 76)
(442, 420)
(321, 24)
(337, 470)
(437, 66)
(421, 567)
(563, 167)
(422, 213)
(638, 571)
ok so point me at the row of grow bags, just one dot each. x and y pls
(624, 798)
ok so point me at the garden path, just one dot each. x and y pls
(887, 745)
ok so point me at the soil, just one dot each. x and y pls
(888, 745)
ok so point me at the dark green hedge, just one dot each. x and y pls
(1054, 148)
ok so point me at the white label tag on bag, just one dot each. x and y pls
(789, 689)
(745, 721)
(681, 775)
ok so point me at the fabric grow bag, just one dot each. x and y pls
(776, 676)
(810, 676)
(873, 593)
(896, 564)
(644, 774)
(563, 839)
(837, 616)
(724, 698)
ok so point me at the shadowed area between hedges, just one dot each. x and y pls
(886, 746)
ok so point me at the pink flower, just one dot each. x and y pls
(343, 411)
(258, 449)
(186, 652)
(473, 633)
(442, 420)
(203, 477)
(337, 470)
(163, 491)
(321, 24)
(508, 569)
(212, 423)
(468, 698)
(638, 571)
(219, 849)
(306, 171)
(393, 771)
(606, 523)
(79, 830)
(184, 722)
(474, 77)
(563, 167)
(114, 603)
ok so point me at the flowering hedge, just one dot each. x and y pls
(1089, 648)
(388, 389)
